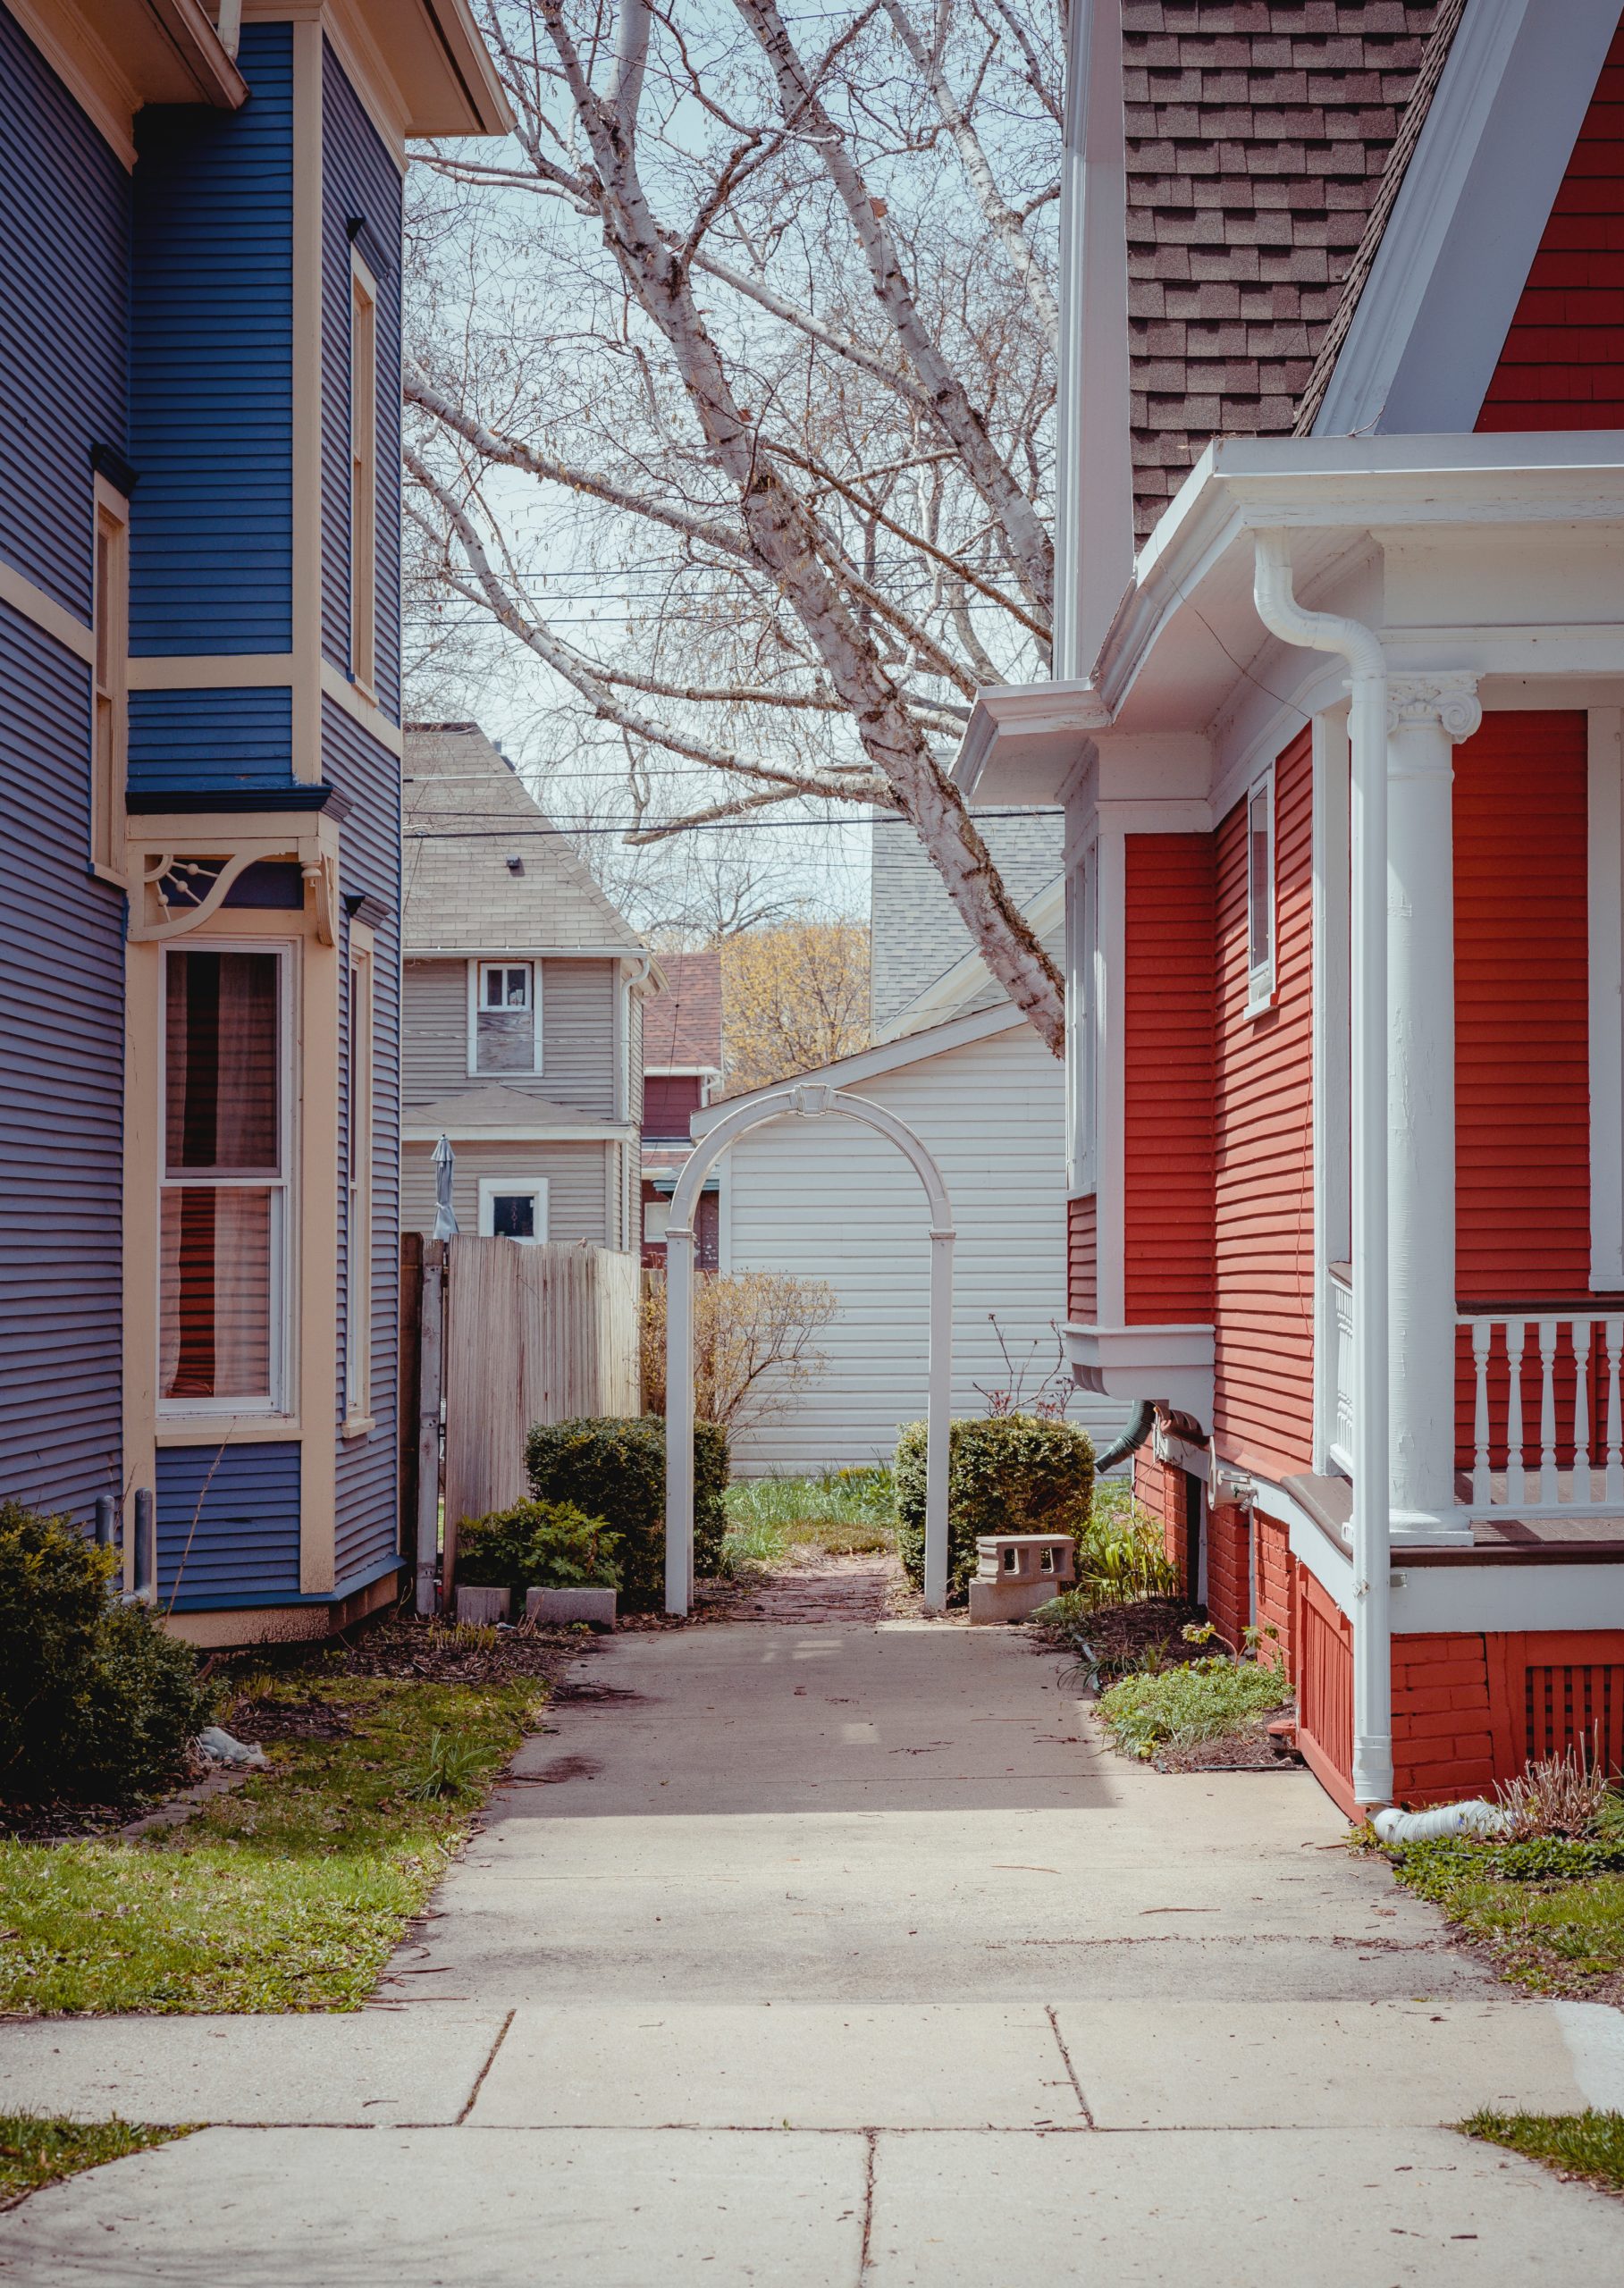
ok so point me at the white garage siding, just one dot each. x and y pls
(829, 1199)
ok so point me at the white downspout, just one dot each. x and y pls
(1320, 631)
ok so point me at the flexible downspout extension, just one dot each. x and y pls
(1141, 1422)
(1351, 640)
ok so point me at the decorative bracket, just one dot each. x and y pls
(184, 866)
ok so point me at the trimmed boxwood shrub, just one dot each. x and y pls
(614, 1467)
(538, 1546)
(96, 1703)
(1006, 1474)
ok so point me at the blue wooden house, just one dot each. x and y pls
(200, 231)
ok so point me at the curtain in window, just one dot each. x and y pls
(216, 1292)
(221, 1057)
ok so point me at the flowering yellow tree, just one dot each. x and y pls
(794, 997)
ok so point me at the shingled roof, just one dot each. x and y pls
(462, 894)
(1263, 137)
(682, 1029)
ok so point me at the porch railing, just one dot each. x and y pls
(1545, 1412)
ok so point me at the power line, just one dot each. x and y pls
(635, 825)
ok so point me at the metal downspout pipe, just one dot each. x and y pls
(1318, 631)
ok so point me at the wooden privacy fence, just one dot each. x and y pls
(533, 1334)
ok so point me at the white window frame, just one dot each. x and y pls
(110, 675)
(361, 1020)
(276, 1403)
(363, 475)
(661, 1205)
(1084, 985)
(477, 971)
(1260, 969)
(489, 1187)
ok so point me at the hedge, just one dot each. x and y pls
(96, 1703)
(1006, 1474)
(614, 1467)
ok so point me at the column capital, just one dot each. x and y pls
(1446, 699)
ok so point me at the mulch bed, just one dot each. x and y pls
(1251, 1749)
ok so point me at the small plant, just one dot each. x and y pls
(539, 1545)
(754, 1344)
(1201, 1700)
(1556, 1794)
(1052, 1392)
(449, 1767)
(1588, 2144)
(1009, 1474)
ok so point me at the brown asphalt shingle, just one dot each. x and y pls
(1258, 135)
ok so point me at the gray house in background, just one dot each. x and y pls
(916, 934)
(522, 1011)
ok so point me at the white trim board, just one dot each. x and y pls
(1433, 318)
(43, 611)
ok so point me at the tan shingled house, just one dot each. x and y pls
(522, 1011)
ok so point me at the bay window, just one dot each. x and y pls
(224, 1218)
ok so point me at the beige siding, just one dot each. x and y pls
(830, 1200)
(576, 1185)
(578, 1036)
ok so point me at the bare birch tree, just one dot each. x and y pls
(760, 336)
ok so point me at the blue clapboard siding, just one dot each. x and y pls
(65, 253)
(61, 1021)
(359, 180)
(210, 742)
(228, 1525)
(211, 366)
(370, 865)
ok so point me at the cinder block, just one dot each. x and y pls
(482, 1606)
(560, 1608)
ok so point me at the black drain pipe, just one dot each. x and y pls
(1140, 1424)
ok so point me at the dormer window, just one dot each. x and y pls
(505, 1035)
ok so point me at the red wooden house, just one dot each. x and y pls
(1336, 722)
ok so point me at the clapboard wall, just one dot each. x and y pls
(829, 1199)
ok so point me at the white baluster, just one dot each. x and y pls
(1483, 1335)
(1582, 1492)
(1549, 1494)
(1613, 1330)
(1517, 1484)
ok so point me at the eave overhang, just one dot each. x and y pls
(1023, 740)
(438, 65)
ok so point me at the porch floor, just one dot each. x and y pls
(1589, 1537)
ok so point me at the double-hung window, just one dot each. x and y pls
(224, 1223)
(358, 1204)
(363, 473)
(1261, 896)
(505, 1031)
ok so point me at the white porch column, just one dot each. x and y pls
(1427, 716)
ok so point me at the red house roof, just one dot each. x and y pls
(682, 1027)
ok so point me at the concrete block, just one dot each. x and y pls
(482, 1606)
(559, 1608)
(1015, 1573)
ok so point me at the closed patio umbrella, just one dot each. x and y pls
(445, 1214)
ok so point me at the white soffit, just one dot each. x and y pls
(1467, 225)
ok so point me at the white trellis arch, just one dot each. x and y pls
(809, 1100)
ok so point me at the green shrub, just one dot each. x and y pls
(538, 1546)
(95, 1701)
(614, 1469)
(1006, 1474)
(1177, 1707)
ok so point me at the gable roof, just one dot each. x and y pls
(461, 896)
(886, 1056)
(682, 1029)
(1258, 137)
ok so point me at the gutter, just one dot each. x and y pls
(1351, 640)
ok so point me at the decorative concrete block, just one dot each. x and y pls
(482, 1606)
(559, 1608)
(1015, 1573)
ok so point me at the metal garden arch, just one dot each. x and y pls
(808, 1100)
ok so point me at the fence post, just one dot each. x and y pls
(410, 1374)
(430, 1383)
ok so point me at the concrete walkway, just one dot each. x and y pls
(833, 1955)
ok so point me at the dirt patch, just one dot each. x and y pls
(258, 1721)
(591, 1689)
(1251, 1749)
(566, 1767)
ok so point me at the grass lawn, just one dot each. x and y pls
(1588, 2145)
(38, 2148)
(287, 1893)
(1547, 1929)
(840, 1514)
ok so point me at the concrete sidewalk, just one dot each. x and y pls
(832, 1956)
